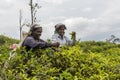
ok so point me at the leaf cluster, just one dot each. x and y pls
(88, 60)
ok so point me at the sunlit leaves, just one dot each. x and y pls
(85, 61)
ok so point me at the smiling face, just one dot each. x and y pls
(37, 32)
(61, 31)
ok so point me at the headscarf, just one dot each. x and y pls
(58, 26)
(33, 28)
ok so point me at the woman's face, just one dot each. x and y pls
(61, 31)
(37, 33)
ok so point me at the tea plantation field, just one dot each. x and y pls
(87, 60)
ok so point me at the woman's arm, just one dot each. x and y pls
(69, 42)
(30, 42)
(54, 38)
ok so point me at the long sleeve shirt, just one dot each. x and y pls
(64, 41)
(31, 43)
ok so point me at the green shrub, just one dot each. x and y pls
(85, 61)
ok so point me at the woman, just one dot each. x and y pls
(59, 35)
(33, 40)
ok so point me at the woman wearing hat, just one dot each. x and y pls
(33, 41)
(59, 35)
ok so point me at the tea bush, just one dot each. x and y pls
(88, 60)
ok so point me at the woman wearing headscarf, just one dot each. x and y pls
(33, 41)
(59, 35)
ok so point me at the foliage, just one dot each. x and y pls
(73, 36)
(7, 40)
(88, 60)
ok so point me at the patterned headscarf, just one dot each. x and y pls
(58, 26)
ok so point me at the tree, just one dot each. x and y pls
(113, 39)
(21, 24)
(33, 8)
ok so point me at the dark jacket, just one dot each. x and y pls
(31, 43)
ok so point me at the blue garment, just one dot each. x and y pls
(31, 43)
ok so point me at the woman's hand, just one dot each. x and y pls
(13, 46)
(56, 44)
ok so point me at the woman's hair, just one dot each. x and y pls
(58, 26)
(33, 28)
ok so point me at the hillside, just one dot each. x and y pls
(7, 40)
(87, 60)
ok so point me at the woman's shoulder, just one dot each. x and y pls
(55, 35)
(29, 38)
(41, 40)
